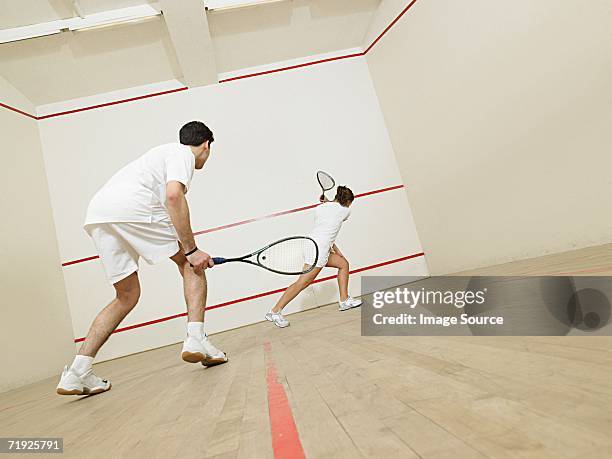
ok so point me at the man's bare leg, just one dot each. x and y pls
(127, 295)
(79, 378)
(197, 348)
(195, 288)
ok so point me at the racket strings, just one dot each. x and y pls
(291, 256)
(325, 180)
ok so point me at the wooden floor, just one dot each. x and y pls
(351, 396)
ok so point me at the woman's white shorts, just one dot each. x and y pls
(120, 245)
(324, 249)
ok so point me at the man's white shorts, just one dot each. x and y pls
(120, 245)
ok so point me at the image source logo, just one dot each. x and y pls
(486, 305)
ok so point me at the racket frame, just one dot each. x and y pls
(243, 259)
(323, 197)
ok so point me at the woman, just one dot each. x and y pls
(329, 217)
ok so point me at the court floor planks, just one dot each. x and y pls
(351, 396)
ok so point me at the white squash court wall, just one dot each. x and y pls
(272, 133)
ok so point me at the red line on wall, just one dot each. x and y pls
(81, 260)
(107, 104)
(260, 295)
(404, 11)
(286, 442)
(240, 77)
(251, 220)
(291, 67)
(382, 190)
(21, 112)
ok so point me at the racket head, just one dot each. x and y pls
(292, 255)
(325, 180)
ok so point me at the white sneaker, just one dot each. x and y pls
(202, 351)
(349, 303)
(278, 319)
(86, 384)
(353, 302)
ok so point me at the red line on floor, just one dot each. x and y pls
(259, 295)
(286, 442)
(251, 220)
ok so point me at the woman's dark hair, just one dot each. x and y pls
(195, 133)
(344, 196)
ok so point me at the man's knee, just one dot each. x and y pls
(181, 261)
(129, 297)
(128, 290)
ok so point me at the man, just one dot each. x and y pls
(141, 212)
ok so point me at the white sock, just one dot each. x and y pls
(81, 364)
(195, 329)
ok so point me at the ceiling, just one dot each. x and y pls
(17, 13)
(82, 63)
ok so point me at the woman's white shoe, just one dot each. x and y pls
(349, 303)
(278, 319)
(353, 302)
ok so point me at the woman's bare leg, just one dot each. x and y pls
(294, 289)
(337, 261)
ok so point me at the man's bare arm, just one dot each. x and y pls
(179, 214)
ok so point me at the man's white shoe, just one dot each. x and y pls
(86, 384)
(349, 303)
(202, 351)
(278, 319)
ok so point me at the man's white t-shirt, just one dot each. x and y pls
(329, 217)
(137, 193)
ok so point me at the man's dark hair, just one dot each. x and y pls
(344, 196)
(195, 133)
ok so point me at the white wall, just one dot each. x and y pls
(12, 97)
(35, 328)
(272, 134)
(500, 115)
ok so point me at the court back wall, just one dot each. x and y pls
(500, 115)
(272, 134)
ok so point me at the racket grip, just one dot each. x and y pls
(219, 260)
